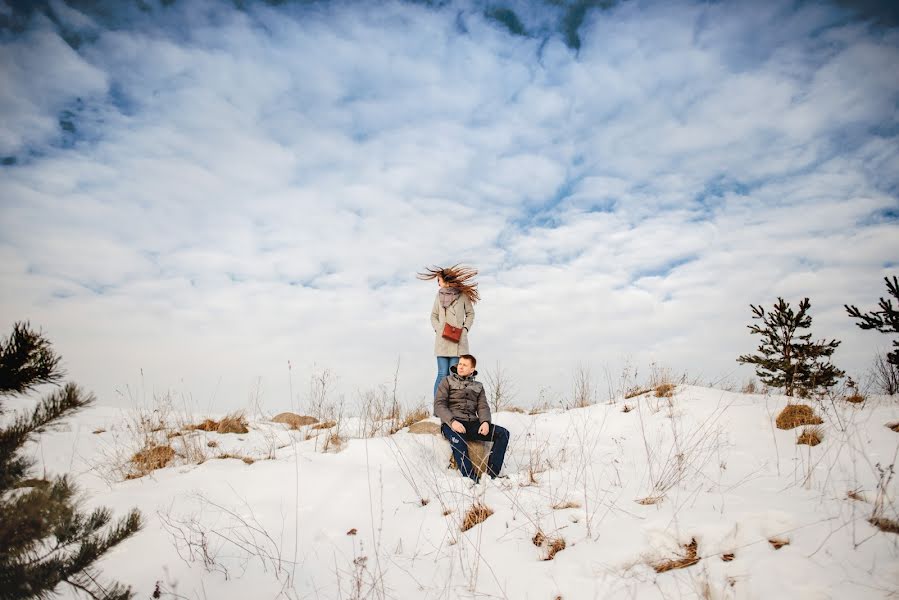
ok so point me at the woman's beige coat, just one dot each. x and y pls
(458, 314)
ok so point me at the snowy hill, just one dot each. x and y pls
(694, 496)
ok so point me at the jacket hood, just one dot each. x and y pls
(454, 372)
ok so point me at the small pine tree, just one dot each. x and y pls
(787, 359)
(885, 320)
(44, 539)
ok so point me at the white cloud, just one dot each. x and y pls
(244, 189)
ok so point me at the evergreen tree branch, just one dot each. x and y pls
(27, 360)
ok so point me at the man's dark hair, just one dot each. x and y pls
(474, 361)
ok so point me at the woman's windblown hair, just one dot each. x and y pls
(457, 276)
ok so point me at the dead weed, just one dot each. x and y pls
(691, 558)
(811, 436)
(794, 415)
(478, 513)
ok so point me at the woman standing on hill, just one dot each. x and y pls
(452, 314)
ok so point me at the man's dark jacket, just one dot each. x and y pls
(461, 398)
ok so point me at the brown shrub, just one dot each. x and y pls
(150, 459)
(325, 425)
(636, 391)
(233, 423)
(627, 408)
(690, 558)
(794, 415)
(811, 436)
(478, 513)
(293, 420)
(538, 538)
(855, 398)
(514, 409)
(665, 390)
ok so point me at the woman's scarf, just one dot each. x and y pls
(448, 295)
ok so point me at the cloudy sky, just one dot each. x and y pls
(222, 198)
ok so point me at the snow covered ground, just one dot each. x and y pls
(381, 517)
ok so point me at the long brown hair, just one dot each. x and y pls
(456, 276)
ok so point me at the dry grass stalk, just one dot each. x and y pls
(665, 390)
(635, 391)
(794, 415)
(811, 436)
(691, 558)
(293, 420)
(478, 513)
(233, 423)
(855, 398)
(884, 524)
(246, 459)
(150, 459)
(553, 547)
(415, 415)
(333, 441)
(649, 500)
(515, 409)
(568, 504)
(856, 495)
(425, 427)
(779, 542)
(325, 425)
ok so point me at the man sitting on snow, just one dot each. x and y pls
(461, 405)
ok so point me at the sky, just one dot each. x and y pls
(223, 200)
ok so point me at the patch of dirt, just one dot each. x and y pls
(690, 558)
(794, 415)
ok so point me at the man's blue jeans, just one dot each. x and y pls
(498, 435)
(443, 369)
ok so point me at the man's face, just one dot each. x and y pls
(464, 368)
